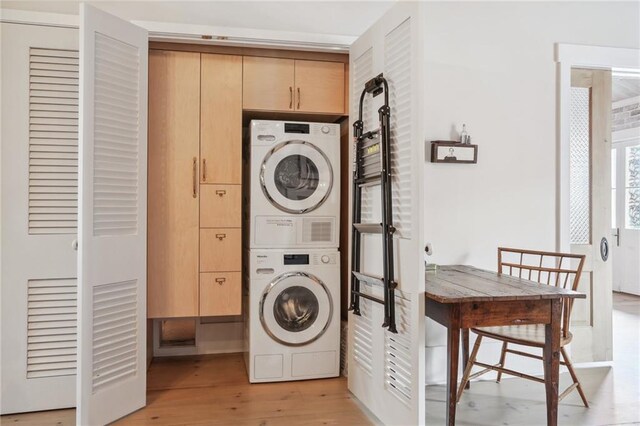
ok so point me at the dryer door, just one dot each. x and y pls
(296, 176)
(295, 308)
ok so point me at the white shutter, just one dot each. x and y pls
(51, 328)
(53, 141)
(112, 218)
(397, 60)
(39, 217)
(387, 370)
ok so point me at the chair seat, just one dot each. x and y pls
(531, 335)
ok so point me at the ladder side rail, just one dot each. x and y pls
(358, 127)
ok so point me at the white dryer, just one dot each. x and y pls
(295, 185)
(291, 308)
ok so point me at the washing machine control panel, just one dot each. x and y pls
(324, 259)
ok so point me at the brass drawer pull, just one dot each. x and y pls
(221, 280)
(195, 177)
(221, 236)
(290, 97)
(204, 169)
(221, 192)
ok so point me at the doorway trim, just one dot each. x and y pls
(568, 56)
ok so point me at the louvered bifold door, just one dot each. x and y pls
(39, 217)
(112, 218)
(386, 370)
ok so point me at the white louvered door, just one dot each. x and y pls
(39, 217)
(387, 370)
(112, 218)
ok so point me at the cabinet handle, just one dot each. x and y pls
(290, 97)
(195, 177)
(298, 98)
(221, 280)
(204, 169)
(221, 236)
(221, 192)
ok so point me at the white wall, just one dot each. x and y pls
(491, 65)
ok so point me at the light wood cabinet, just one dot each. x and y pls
(221, 119)
(220, 206)
(268, 84)
(220, 294)
(220, 249)
(173, 219)
(275, 84)
(196, 103)
(319, 87)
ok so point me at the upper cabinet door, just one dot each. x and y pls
(319, 87)
(112, 228)
(221, 119)
(268, 84)
(174, 138)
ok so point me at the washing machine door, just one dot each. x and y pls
(296, 308)
(296, 176)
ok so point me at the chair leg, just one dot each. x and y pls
(567, 360)
(467, 370)
(502, 359)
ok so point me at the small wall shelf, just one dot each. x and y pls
(453, 152)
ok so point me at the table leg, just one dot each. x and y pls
(465, 352)
(552, 361)
(453, 354)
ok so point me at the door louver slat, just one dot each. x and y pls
(397, 58)
(397, 359)
(114, 337)
(116, 130)
(51, 328)
(53, 141)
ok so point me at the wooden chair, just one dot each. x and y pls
(545, 268)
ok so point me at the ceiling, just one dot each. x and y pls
(349, 18)
(624, 87)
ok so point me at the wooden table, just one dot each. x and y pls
(462, 297)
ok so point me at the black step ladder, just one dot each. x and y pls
(372, 166)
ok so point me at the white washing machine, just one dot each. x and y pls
(292, 323)
(295, 184)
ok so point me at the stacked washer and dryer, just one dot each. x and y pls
(291, 289)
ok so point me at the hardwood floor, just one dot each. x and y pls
(214, 390)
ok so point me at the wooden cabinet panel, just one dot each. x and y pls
(173, 219)
(220, 206)
(221, 119)
(220, 294)
(220, 249)
(268, 84)
(319, 87)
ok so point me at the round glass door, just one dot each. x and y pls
(295, 308)
(296, 177)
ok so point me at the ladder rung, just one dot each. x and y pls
(366, 296)
(372, 279)
(368, 228)
(371, 179)
(371, 228)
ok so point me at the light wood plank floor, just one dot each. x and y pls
(214, 390)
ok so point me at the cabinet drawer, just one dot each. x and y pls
(220, 206)
(220, 294)
(220, 249)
